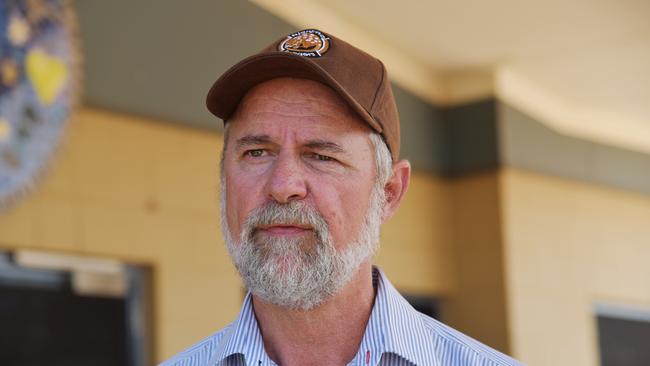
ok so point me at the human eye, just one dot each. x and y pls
(321, 157)
(254, 153)
(324, 157)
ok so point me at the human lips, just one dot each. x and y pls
(285, 229)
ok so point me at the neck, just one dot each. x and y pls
(329, 334)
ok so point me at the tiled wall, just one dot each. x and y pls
(568, 245)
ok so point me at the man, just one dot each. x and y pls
(310, 171)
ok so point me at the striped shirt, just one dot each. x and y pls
(396, 335)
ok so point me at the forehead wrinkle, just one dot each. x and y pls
(264, 123)
(331, 100)
(307, 119)
(296, 101)
(303, 104)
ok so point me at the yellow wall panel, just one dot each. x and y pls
(568, 246)
(146, 192)
(477, 304)
(416, 243)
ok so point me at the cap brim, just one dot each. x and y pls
(226, 93)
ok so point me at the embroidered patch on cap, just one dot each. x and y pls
(308, 43)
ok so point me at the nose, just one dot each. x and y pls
(286, 182)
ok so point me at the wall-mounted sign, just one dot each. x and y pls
(39, 76)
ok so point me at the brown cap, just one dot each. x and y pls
(359, 78)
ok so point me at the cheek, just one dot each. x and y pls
(241, 198)
(344, 207)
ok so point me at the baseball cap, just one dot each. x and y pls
(359, 78)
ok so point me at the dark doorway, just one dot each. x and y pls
(57, 328)
(623, 341)
(44, 322)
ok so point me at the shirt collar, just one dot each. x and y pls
(394, 327)
(242, 339)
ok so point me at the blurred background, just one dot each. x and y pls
(526, 226)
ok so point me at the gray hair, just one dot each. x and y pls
(383, 159)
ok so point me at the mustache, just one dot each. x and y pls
(291, 213)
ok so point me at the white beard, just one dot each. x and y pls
(299, 273)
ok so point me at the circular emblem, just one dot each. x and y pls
(39, 75)
(308, 43)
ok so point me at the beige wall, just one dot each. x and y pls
(143, 192)
(477, 304)
(416, 243)
(146, 192)
(569, 245)
(520, 258)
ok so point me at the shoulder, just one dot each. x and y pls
(456, 348)
(427, 341)
(199, 353)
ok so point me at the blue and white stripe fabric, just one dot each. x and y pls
(396, 335)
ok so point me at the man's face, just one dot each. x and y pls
(300, 174)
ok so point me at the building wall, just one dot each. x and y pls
(146, 192)
(476, 305)
(569, 244)
(518, 257)
(513, 225)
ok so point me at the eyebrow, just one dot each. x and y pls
(256, 140)
(253, 140)
(325, 146)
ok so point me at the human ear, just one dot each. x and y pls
(396, 187)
